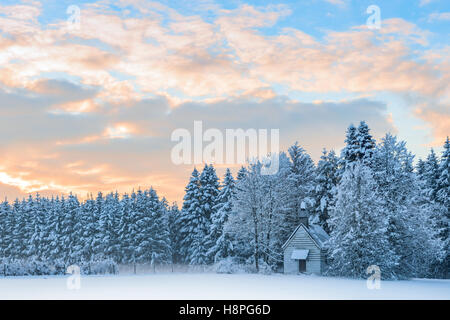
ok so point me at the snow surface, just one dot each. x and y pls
(218, 286)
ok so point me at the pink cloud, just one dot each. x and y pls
(189, 61)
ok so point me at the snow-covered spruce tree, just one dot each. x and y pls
(160, 242)
(359, 227)
(5, 229)
(359, 145)
(36, 224)
(400, 190)
(366, 144)
(174, 232)
(201, 222)
(54, 226)
(209, 191)
(191, 217)
(300, 185)
(134, 228)
(11, 249)
(27, 209)
(68, 229)
(326, 182)
(350, 152)
(44, 230)
(97, 242)
(420, 168)
(44, 250)
(126, 230)
(218, 242)
(143, 237)
(109, 225)
(8, 229)
(241, 173)
(90, 230)
(443, 199)
(431, 175)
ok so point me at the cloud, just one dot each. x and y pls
(139, 154)
(93, 108)
(439, 16)
(424, 2)
(337, 2)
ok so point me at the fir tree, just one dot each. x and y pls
(5, 229)
(400, 191)
(161, 251)
(174, 233)
(325, 187)
(191, 218)
(350, 151)
(300, 184)
(443, 199)
(218, 242)
(359, 227)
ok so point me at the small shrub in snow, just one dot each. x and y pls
(265, 268)
(229, 265)
(106, 266)
(32, 267)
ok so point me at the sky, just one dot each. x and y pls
(90, 91)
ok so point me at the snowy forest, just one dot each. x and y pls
(378, 205)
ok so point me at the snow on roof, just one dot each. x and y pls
(300, 254)
(318, 234)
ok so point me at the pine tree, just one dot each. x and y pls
(126, 230)
(366, 144)
(359, 145)
(209, 191)
(161, 251)
(218, 242)
(400, 190)
(300, 185)
(350, 151)
(201, 219)
(55, 227)
(19, 246)
(325, 187)
(5, 229)
(109, 220)
(431, 175)
(68, 229)
(443, 199)
(174, 233)
(27, 209)
(241, 173)
(190, 214)
(143, 223)
(90, 230)
(37, 218)
(359, 227)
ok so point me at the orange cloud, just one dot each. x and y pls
(186, 63)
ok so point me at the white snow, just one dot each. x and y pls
(299, 254)
(218, 286)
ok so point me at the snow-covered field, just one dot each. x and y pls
(218, 286)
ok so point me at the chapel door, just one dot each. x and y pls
(302, 265)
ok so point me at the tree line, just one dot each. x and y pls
(378, 207)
